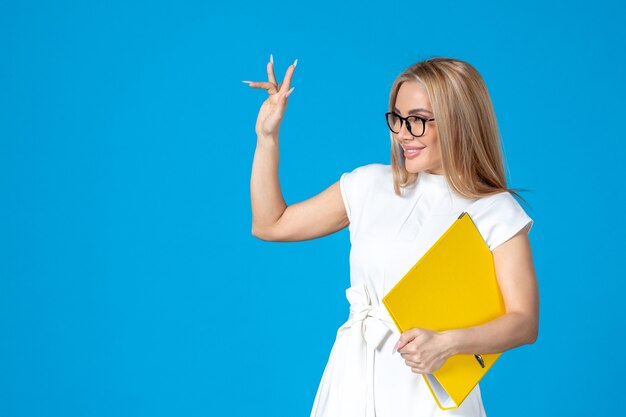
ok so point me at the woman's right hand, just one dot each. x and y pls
(273, 108)
(272, 218)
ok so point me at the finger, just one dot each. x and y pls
(407, 354)
(270, 87)
(405, 339)
(286, 83)
(399, 343)
(270, 72)
(412, 364)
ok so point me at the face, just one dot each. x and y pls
(412, 100)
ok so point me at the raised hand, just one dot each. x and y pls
(273, 108)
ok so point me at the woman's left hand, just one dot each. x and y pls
(423, 350)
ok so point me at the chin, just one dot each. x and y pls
(413, 167)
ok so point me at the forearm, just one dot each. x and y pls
(266, 196)
(496, 336)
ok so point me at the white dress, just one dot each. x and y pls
(364, 376)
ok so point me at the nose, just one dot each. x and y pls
(404, 135)
(404, 131)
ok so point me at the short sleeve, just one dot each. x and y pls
(500, 219)
(345, 184)
(354, 186)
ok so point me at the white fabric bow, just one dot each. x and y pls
(347, 385)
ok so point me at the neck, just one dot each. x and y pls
(431, 172)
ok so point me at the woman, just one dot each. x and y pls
(445, 159)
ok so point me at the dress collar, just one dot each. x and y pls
(430, 181)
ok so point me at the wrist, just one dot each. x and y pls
(267, 139)
(451, 342)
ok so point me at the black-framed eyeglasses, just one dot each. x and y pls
(394, 121)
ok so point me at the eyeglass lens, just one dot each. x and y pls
(416, 125)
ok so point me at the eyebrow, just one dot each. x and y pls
(415, 111)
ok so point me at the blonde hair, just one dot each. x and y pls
(467, 129)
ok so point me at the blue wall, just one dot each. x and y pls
(130, 283)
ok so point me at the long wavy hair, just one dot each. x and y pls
(472, 157)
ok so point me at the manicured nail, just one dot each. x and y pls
(247, 82)
(396, 346)
(295, 62)
(289, 92)
(271, 58)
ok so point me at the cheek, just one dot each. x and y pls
(431, 142)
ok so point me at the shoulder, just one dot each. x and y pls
(365, 176)
(358, 185)
(499, 217)
(369, 171)
(501, 201)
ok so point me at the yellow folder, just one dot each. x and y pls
(453, 285)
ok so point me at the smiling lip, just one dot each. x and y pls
(411, 155)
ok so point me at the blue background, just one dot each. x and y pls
(130, 283)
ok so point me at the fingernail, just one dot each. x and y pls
(396, 347)
(295, 62)
(247, 82)
(271, 58)
(289, 92)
